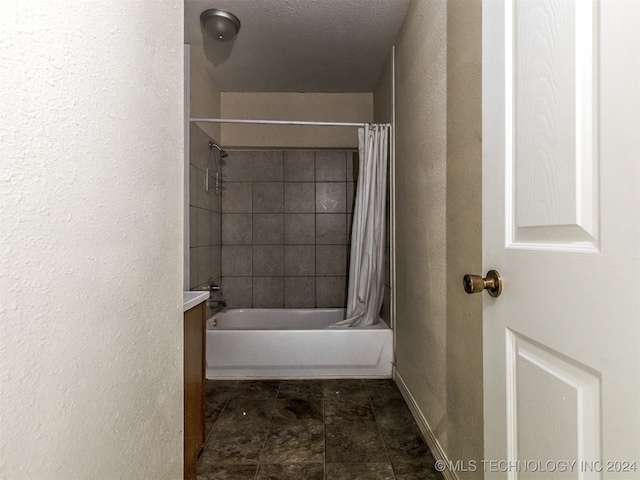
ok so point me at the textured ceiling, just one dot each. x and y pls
(298, 45)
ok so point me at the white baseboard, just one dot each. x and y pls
(432, 442)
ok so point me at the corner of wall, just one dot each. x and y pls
(206, 97)
(438, 330)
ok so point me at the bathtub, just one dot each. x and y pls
(294, 343)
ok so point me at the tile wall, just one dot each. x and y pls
(286, 220)
(205, 212)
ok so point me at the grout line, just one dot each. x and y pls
(324, 433)
(266, 438)
(221, 412)
(384, 442)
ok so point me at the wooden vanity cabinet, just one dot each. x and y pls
(194, 388)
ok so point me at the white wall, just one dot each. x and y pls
(91, 192)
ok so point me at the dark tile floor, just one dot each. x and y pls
(311, 430)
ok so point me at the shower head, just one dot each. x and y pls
(222, 152)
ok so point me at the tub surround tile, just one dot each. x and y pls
(268, 260)
(331, 229)
(268, 197)
(216, 228)
(331, 197)
(216, 265)
(299, 229)
(268, 292)
(193, 268)
(238, 166)
(299, 166)
(238, 291)
(193, 226)
(267, 166)
(299, 197)
(193, 186)
(237, 229)
(330, 292)
(351, 199)
(331, 166)
(204, 227)
(200, 265)
(331, 260)
(291, 471)
(289, 198)
(236, 261)
(204, 215)
(299, 292)
(237, 197)
(268, 229)
(299, 260)
(197, 195)
(215, 199)
(353, 165)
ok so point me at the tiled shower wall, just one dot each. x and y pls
(286, 221)
(205, 212)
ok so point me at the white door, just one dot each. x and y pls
(561, 215)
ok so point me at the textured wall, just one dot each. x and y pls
(421, 121)
(91, 211)
(206, 98)
(285, 228)
(464, 231)
(438, 152)
(324, 107)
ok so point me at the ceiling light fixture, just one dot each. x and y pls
(219, 24)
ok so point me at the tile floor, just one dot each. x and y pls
(311, 430)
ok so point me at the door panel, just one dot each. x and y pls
(561, 209)
(550, 95)
(554, 408)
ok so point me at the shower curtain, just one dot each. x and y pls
(366, 270)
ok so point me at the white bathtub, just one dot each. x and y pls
(294, 343)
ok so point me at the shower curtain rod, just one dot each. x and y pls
(285, 122)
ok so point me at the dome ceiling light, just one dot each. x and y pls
(221, 25)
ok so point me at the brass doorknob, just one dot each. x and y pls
(492, 283)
